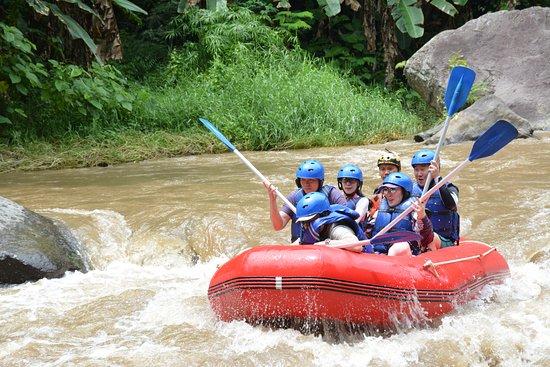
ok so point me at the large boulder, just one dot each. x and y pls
(509, 51)
(34, 247)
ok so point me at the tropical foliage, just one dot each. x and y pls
(271, 74)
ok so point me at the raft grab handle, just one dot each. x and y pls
(430, 264)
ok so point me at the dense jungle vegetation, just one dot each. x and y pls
(97, 82)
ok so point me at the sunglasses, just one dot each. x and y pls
(385, 190)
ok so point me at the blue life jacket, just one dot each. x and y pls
(296, 228)
(444, 221)
(339, 214)
(352, 203)
(386, 215)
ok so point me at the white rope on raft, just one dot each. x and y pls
(432, 265)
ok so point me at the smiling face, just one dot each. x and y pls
(394, 195)
(386, 169)
(350, 185)
(421, 173)
(309, 184)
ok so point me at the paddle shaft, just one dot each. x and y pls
(264, 179)
(424, 197)
(436, 155)
(393, 237)
(455, 103)
(348, 245)
(231, 147)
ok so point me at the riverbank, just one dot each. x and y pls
(119, 147)
(134, 146)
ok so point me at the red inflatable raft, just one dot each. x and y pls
(317, 283)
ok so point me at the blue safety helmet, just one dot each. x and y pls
(310, 169)
(350, 171)
(310, 205)
(423, 157)
(399, 179)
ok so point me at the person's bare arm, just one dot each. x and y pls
(279, 219)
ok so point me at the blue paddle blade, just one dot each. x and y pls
(393, 237)
(218, 134)
(494, 139)
(458, 88)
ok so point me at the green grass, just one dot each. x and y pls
(277, 101)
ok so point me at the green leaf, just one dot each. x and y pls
(303, 14)
(127, 106)
(39, 6)
(76, 72)
(359, 46)
(130, 6)
(460, 2)
(61, 85)
(182, 6)
(337, 51)
(9, 37)
(284, 4)
(445, 7)
(97, 104)
(352, 37)
(76, 30)
(32, 78)
(119, 97)
(411, 18)
(22, 89)
(14, 78)
(331, 7)
(4, 120)
(216, 5)
(83, 6)
(294, 26)
(20, 112)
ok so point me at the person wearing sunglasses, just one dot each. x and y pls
(442, 206)
(389, 162)
(323, 223)
(396, 190)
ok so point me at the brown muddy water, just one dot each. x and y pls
(156, 231)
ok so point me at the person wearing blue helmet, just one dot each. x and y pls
(442, 206)
(323, 223)
(396, 190)
(350, 181)
(310, 177)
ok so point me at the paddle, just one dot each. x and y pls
(458, 87)
(491, 141)
(224, 140)
(392, 237)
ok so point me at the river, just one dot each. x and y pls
(156, 231)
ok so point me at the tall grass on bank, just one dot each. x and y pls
(277, 101)
(112, 147)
